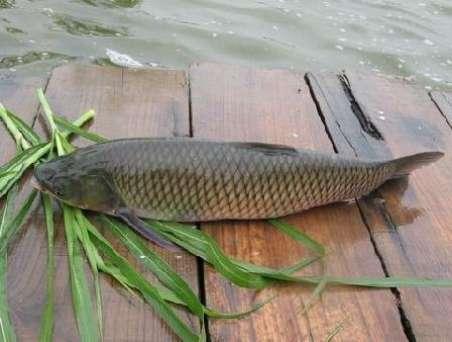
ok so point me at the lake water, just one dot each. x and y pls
(407, 38)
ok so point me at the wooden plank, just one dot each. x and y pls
(128, 104)
(19, 95)
(234, 103)
(409, 219)
(443, 101)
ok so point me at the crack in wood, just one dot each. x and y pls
(368, 127)
(364, 120)
(406, 324)
(190, 108)
(202, 291)
(438, 106)
(308, 79)
(199, 261)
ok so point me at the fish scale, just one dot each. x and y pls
(198, 180)
(185, 179)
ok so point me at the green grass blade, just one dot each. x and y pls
(320, 287)
(200, 244)
(81, 296)
(273, 273)
(94, 259)
(158, 266)
(13, 129)
(237, 315)
(47, 320)
(211, 252)
(148, 291)
(83, 119)
(47, 110)
(11, 172)
(384, 282)
(299, 236)
(23, 156)
(8, 209)
(26, 130)
(63, 146)
(194, 241)
(6, 327)
(70, 127)
(11, 227)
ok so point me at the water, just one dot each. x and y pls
(407, 38)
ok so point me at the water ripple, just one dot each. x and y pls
(400, 38)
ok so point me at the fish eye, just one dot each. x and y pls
(57, 192)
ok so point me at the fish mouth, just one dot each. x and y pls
(40, 185)
(36, 184)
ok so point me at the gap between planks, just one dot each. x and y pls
(200, 264)
(362, 118)
(364, 143)
(211, 103)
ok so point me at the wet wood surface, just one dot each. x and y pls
(402, 229)
(408, 219)
(27, 252)
(237, 104)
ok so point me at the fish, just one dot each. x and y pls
(192, 180)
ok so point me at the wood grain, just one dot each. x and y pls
(19, 95)
(234, 103)
(409, 219)
(128, 104)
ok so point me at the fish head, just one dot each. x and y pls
(77, 182)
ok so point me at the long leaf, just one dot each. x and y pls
(299, 236)
(212, 253)
(47, 110)
(47, 320)
(13, 129)
(6, 327)
(26, 130)
(149, 292)
(81, 296)
(202, 245)
(172, 296)
(70, 127)
(94, 260)
(83, 119)
(193, 240)
(11, 172)
(158, 266)
(22, 157)
(13, 226)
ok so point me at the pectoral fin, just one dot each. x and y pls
(144, 230)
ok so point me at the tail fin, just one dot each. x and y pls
(407, 164)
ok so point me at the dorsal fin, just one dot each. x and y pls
(267, 149)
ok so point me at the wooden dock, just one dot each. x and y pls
(403, 229)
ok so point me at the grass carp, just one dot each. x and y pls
(188, 180)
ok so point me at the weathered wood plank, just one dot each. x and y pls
(128, 104)
(444, 102)
(19, 95)
(234, 103)
(409, 219)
